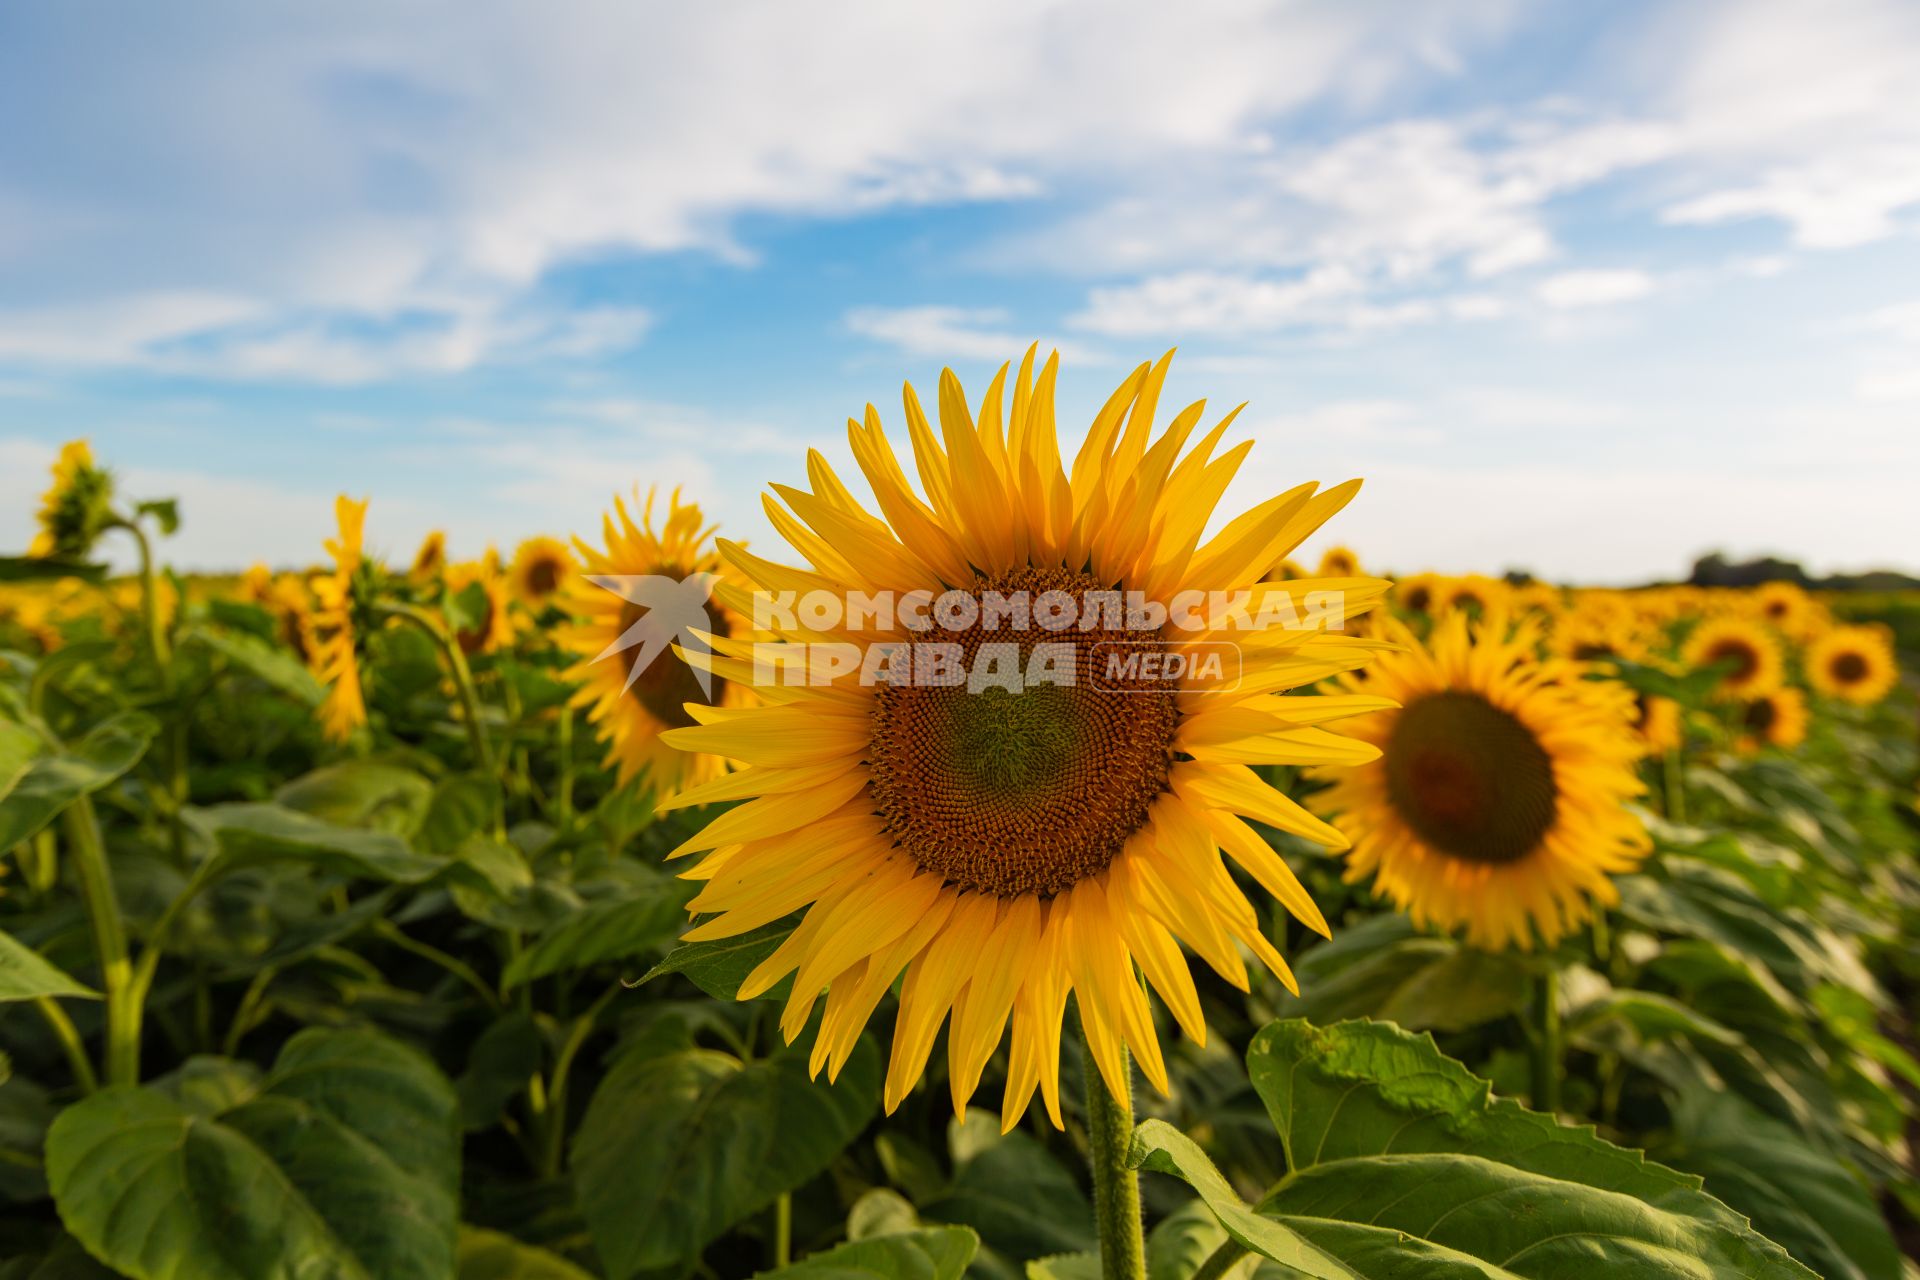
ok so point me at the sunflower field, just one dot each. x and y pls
(428, 917)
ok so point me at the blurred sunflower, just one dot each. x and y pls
(1473, 595)
(336, 623)
(480, 605)
(256, 585)
(1416, 594)
(76, 508)
(1854, 663)
(1587, 634)
(1498, 803)
(632, 708)
(994, 851)
(1658, 722)
(1749, 652)
(541, 568)
(1785, 607)
(430, 561)
(1777, 718)
(1338, 562)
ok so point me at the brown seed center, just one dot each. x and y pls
(1027, 792)
(1469, 778)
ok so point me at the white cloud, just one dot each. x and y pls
(1597, 288)
(954, 333)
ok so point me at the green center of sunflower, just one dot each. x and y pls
(1848, 668)
(1031, 791)
(1742, 655)
(1470, 779)
(666, 685)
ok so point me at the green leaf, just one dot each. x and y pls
(1648, 1016)
(19, 748)
(937, 1254)
(1800, 1197)
(48, 569)
(25, 975)
(249, 833)
(881, 1211)
(1067, 1266)
(55, 780)
(1183, 1240)
(1384, 968)
(719, 967)
(494, 1255)
(676, 1148)
(344, 1164)
(462, 806)
(361, 793)
(612, 929)
(1011, 1190)
(1160, 1147)
(502, 1060)
(1399, 1156)
(270, 664)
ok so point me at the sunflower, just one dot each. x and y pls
(1498, 804)
(1747, 650)
(336, 624)
(480, 590)
(1599, 634)
(1777, 718)
(76, 508)
(996, 850)
(1416, 594)
(1473, 595)
(1855, 663)
(1338, 562)
(1786, 608)
(430, 561)
(541, 568)
(633, 708)
(256, 585)
(1659, 723)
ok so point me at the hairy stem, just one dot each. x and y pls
(1116, 1187)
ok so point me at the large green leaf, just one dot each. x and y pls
(940, 1253)
(273, 665)
(248, 833)
(494, 1255)
(361, 793)
(25, 975)
(645, 916)
(19, 748)
(675, 1148)
(1387, 969)
(1400, 1157)
(1162, 1148)
(55, 780)
(344, 1164)
(1009, 1188)
(1800, 1197)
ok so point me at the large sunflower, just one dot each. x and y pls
(77, 506)
(1746, 649)
(994, 851)
(335, 623)
(633, 709)
(1498, 802)
(1855, 663)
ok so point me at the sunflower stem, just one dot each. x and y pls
(462, 679)
(1116, 1187)
(150, 603)
(1221, 1261)
(783, 1229)
(121, 1059)
(1546, 1041)
(1676, 788)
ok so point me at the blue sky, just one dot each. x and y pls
(1583, 288)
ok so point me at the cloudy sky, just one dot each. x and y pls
(1583, 288)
